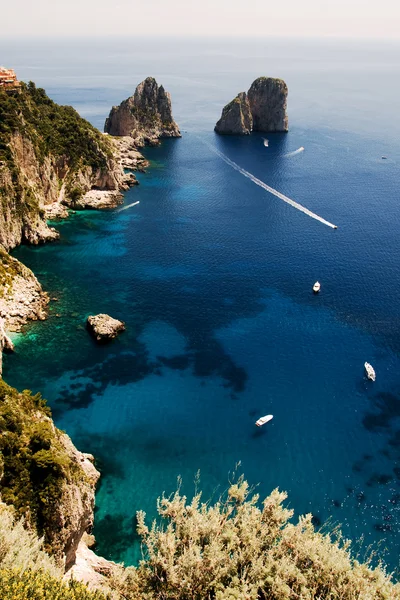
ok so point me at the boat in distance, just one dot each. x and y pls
(262, 420)
(370, 371)
(316, 287)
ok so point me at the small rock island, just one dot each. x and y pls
(263, 108)
(146, 116)
(104, 328)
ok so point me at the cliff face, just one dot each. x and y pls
(43, 475)
(268, 101)
(146, 116)
(49, 156)
(262, 109)
(236, 117)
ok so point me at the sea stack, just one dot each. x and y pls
(236, 117)
(146, 116)
(262, 109)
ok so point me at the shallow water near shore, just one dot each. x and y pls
(213, 277)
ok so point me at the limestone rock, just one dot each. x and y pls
(262, 109)
(73, 515)
(146, 116)
(104, 327)
(236, 118)
(268, 101)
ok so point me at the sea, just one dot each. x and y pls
(213, 277)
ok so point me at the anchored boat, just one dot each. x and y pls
(370, 371)
(262, 420)
(316, 287)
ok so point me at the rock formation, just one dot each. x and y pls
(268, 101)
(262, 109)
(104, 327)
(236, 117)
(146, 116)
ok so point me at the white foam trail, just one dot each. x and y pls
(128, 206)
(301, 149)
(269, 188)
(266, 142)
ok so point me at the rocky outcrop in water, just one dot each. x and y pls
(146, 116)
(104, 328)
(262, 109)
(236, 117)
(268, 102)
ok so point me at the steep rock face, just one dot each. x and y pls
(268, 101)
(49, 156)
(47, 480)
(262, 109)
(73, 514)
(236, 118)
(146, 116)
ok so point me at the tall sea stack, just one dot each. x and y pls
(146, 116)
(262, 109)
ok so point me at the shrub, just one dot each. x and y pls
(237, 550)
(39, 585)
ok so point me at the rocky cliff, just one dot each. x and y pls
(268, 102)
(49, 156)
(43, 475)
(146, 116)
(262, 109)
(236, 117)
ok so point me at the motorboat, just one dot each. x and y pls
(316, 287)
(369, 369)
(266, 142)
(384, 157)
(262, 420)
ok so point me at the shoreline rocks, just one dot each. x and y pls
(104, 328)
(263, 108)
(146, 116)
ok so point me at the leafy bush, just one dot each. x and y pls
(235, 550)
(39, 585)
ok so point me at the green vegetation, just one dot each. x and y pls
(237, 550)
(52, 129)
(234, 549)
(37, 585)
(34, 465)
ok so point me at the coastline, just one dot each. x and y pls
(24, 301)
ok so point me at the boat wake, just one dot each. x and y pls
(266, 142)
(128, 206)
(268, 188)
(301, 149)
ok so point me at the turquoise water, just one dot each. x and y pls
(213, 277)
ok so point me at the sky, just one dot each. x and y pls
(297, 18)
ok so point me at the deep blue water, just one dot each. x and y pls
(213, 277)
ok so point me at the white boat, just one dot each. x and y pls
(265, 142)
(384, 157)
(370, 371)
(316, 287)
(262, 420)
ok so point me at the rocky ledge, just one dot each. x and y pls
(263, 108)
(146, 116)
(104, 328)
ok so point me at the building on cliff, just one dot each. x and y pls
(8, 79)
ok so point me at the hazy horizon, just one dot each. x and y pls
(210, 18)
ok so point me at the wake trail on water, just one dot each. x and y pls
(301, 149)
(128, 206)
(268, 188)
